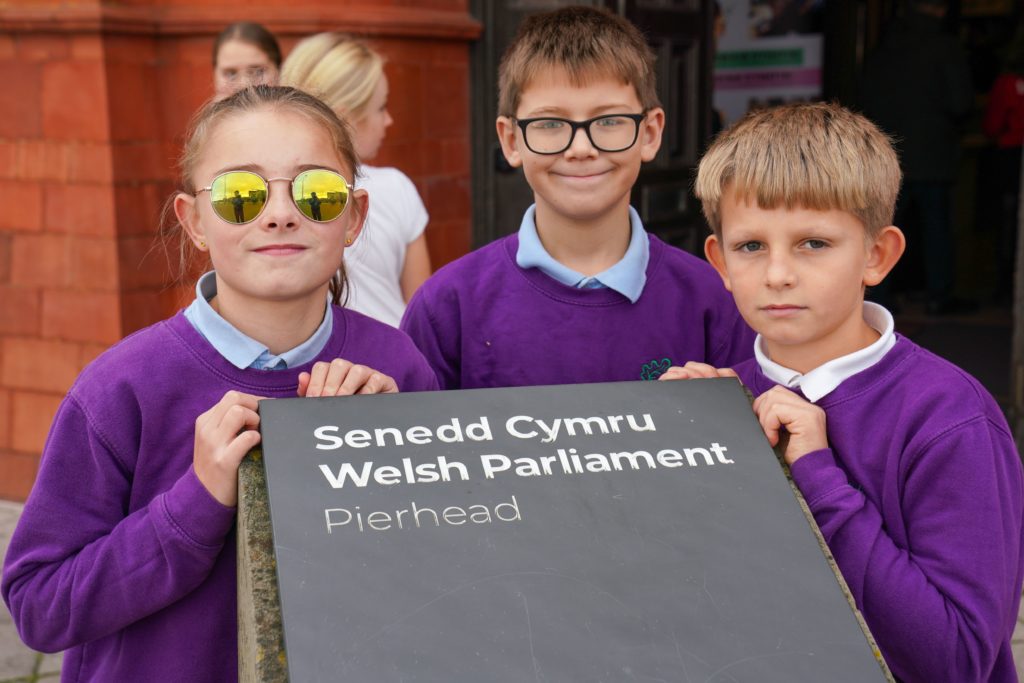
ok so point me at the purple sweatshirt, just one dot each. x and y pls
(482, 321)
(121, 557)
(921, 501)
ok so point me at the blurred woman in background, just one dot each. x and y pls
(244, 54)
(389, 261)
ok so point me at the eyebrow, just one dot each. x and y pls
(597, 111)
(259, 170)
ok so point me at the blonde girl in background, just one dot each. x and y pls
(125, 553)
(390, 261)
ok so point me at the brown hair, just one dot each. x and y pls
(587, 43)
(813, 155)
(250, 99)
(252, 33)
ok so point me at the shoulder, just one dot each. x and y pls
(385, 178)
(368, 331)
(482, 267)
(685, 277)
(678, 262)
(925, 393)
(115, 390)
(394, 202)
(942, 380)
(385, 348)
(470, 284)
(1007, 84)
(131, 359)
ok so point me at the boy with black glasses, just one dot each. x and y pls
(582, 293)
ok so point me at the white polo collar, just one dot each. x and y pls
(822, 380)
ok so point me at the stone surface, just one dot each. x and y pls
(261, 656)
(17, 662)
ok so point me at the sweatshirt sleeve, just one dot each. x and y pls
(940, 607)
(78, 566)
(438, 341)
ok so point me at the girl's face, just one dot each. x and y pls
(281, 256)
(239, 65)
(372, 127)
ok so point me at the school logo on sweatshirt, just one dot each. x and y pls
(655, 369)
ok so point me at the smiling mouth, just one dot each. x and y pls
(582, 176)
(280, 249)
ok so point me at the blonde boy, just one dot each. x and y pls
(581, 293)
(905, 460)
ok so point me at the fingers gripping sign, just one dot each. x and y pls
(778, 409)
(342, 378)
(695, 370)
(224, 434)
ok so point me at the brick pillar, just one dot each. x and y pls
(96, 97)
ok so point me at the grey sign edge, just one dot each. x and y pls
(262, 656)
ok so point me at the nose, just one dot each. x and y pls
(387, 118)
(280, 211)
(779, 273)
(580, 145)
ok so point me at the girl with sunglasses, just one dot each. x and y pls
(388, 263)
(125, 553)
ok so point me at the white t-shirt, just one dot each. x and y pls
(374, 261)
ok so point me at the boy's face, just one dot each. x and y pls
(581, 184)
(798, 276)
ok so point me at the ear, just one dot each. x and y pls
(883, 253)
(358, 210)
(507, 134)
(713, 252)
(651, 129)
(187, 215)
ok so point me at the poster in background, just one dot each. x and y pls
(767, 52)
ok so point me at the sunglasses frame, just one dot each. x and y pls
(266, 181)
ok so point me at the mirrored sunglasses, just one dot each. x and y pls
(239, 196)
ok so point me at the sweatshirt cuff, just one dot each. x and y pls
(195, 513)
(816, 474)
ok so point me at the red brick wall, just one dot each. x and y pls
(96, 96)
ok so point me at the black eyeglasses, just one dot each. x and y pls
(608, 133)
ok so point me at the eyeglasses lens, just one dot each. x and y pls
(238, 196)
(321, 195)
(613, 133)
(608, 134)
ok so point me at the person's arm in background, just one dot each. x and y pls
(416, 269)
(996, 111)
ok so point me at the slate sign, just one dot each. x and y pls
(637, 531)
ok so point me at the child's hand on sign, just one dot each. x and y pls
(342, 378)
(695, 370)
(780, 408)
(224, 434)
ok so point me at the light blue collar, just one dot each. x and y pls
(243, 351)
(627, 277)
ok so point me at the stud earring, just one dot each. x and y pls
(348, 241)
(202, 244)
